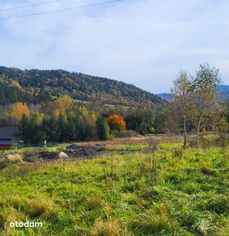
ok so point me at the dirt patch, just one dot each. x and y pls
(72, 151)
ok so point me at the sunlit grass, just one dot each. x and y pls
(121, 193)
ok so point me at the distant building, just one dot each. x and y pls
(7, 138)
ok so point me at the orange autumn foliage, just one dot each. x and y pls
(116, 122)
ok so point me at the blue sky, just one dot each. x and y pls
(142, 42)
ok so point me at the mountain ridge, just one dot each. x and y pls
(41, 85)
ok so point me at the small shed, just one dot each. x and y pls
(7, 138)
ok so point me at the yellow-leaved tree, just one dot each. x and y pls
(16, 112)
(57, 107)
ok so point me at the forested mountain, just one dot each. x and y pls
(35, 86)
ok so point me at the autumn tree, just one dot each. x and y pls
(85, 124)
(15, 84)
(64, 103)
(57, 107)
(116, 122)
(17, 111)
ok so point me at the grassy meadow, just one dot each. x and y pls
(126, 190)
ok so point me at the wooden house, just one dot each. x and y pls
(7, 138)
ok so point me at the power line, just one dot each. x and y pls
(61, 10)
(29, 5)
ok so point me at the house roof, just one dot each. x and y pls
(5, 142)
(7, 133)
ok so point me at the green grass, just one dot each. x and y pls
(121, 193)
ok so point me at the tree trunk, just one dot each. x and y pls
(198, 131)
(185, 132)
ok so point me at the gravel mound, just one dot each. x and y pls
(81, 152)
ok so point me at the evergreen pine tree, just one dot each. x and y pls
(103, 130)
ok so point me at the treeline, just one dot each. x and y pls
(64, 120)
(78, 126)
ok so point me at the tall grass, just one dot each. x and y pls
(153, 192)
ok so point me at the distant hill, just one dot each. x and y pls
(35, 86)
(165, 96)
(223, 89)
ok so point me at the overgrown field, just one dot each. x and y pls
(126, 191)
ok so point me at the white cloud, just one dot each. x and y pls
(143, 42)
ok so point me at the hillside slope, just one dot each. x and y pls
(41, 85)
